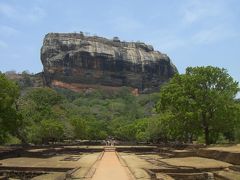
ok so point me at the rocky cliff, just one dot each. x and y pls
(76, 61)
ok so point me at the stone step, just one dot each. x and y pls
(109, 149)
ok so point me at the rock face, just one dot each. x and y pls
(76, 61)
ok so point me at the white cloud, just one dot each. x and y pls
(204, 21)
(8, 30)
(170, 43)
(15, 56)
(22, 14)
(7, 10)
(36, 14)
(125, 24)
(173, 40)
(197, 10)
(212, 35)
(3, 44)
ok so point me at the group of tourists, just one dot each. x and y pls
(110, 142)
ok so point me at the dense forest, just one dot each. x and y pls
(199, 106)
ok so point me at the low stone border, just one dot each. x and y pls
(230, 157)
(124, 164)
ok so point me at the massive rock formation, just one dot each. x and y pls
(76, 61)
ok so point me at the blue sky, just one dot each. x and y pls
(191, 32)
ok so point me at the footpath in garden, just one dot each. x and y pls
(110, 168)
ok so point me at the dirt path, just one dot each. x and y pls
(110, 168)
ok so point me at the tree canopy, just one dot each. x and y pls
(9, 118)
(201, 101)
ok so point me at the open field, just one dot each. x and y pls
(123, 162)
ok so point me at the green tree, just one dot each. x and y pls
(162, 127)
(79, 127)
(141, 127)
(37, 105)
(26, 79)
(237, 127)
(96, 129)
(43, 101)
(44, 97)
(51, 130)
(202, 99)
(126, 132)
(10, 120)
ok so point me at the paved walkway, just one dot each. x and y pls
(110, 168)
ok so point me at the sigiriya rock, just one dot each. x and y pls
(76, 61)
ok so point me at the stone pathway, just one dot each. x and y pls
(110, 168)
